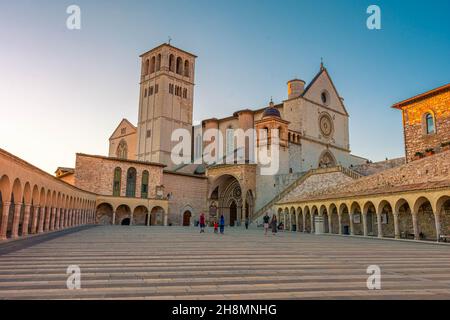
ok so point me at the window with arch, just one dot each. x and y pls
(158, 62)
(144, 186)
(172, 63)
(430, 127)
(131, 183)
(179, 65)
(122, 150)
(117, 181)
(146, 66)
(153, 65)
(186, 68)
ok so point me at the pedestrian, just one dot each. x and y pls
(274, 225)
(266, 220)
(246, 223)
(222, 224)
(202, 223)
(216, 227)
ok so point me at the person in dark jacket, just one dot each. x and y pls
(274, 225)
(266, 220)
(222, 224)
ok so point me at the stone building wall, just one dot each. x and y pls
(96, 174)
(188, 193)
(416, 140)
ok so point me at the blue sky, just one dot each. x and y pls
(65, 91)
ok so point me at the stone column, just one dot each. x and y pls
(114, 218)
(57, 218)
(352, 227)
(52, 219)
(340, 223)
(131, 218)
(166, 216)
(304, 222)
(313, 229)
(364, 221)
(16, 220)
(415, 226)
(35, 219)
(5, 214)
(47, 218)
(26, 219)
(379, 225)
(63, 217)
(437, 221)
(42, 219)
(396, 226)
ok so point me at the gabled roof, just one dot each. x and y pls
(120, 124)
(170, 46)
(401, 104)
(324, 70)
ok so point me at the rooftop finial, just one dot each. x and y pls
(170, 39)
(321, 63)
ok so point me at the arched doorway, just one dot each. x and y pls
(104, 214)
(187, 218)
(226, 192)
(140, 216)
(123, 211)
(233, 213)
(157, 216)
(125, 222)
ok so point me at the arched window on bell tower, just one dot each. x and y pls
(186, 68)
(172, 63)
(179, 65)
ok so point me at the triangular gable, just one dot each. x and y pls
(322, 81)
(123, 124)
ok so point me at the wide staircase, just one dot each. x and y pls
(267, 207)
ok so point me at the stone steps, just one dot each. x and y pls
(179, 263)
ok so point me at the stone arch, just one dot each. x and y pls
(334, 219)
(179, 65)
(357, 219)
(308, 227)
(229, 198)
(370, 214)
(157, 216)
(153, 64)
(323, 212)
(327, 160)
(300, 225)
(405, 220)
(443, 212)
(314, 216)
(344, 215)
(426, 223)
(123, 212)
(146, 67)
(172, 63)
(292, 219)
(387, 219)
(141, 216)
(186, 68)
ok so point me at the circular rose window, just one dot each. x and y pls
(326, 125)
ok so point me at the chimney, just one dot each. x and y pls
(295, 88)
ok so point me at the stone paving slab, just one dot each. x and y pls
(179, 263)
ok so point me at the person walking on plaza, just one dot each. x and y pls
(246, 223)
(274, 225)
(216, 227)
(202, 223)
(222, 224)
(266, 220)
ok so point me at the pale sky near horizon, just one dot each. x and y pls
(65, 91)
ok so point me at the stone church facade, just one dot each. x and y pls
(319, 185)
(312, 121)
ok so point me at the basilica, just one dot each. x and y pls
(319, 185)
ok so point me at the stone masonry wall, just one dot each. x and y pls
(188, 193)
(416, 140)
(96, 174)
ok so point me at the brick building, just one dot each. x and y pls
(426, 122)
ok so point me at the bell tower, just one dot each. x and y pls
(165, 102)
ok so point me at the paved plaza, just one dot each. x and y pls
(180, 263)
